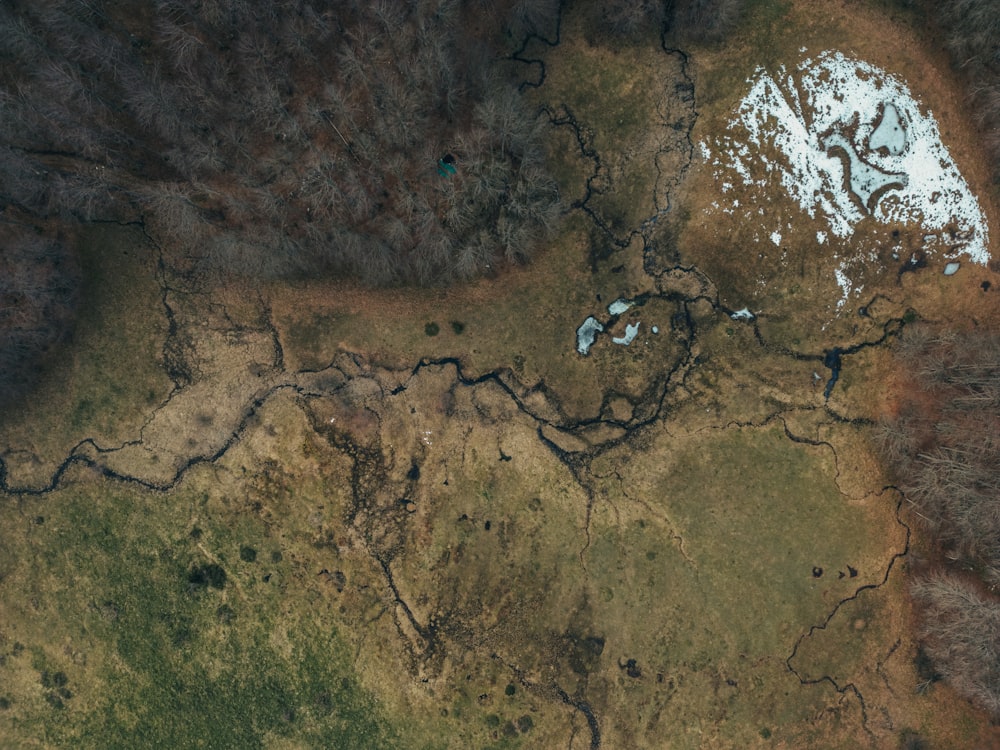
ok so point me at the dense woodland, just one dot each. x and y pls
(39, 285)
(943, 446)
(279, 137)
(971, 31)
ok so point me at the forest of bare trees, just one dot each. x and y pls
(943, 447)
(971, 31)
(686, 21)
(39, 283)
(380, 140)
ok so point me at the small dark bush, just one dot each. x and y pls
(207, 575)
(248, 554)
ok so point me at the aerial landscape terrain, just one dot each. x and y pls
(643, 394)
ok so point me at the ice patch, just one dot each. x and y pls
(821, 237)
(587, 333)
(889, 133)
(951, 269)
(776, 237)
(631, 330)
(743, 314)
(619, 306)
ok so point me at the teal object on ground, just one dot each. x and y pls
(445, 169)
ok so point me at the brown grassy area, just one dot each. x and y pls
(432, 563)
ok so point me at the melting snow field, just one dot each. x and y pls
(850, 142)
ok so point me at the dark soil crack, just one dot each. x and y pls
(850, 687)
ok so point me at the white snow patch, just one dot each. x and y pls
(952, 268)
(844, 283)
(743, 314)
(776, 237)
(851, 143)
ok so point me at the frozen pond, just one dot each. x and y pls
(587, 333)
(631, 331)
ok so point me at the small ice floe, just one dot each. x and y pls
(619, 306)
(631, 330)
(586, 334)
(743, 314)
(952, 268)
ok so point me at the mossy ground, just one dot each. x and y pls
(348, 549)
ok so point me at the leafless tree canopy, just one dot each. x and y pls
(686, 20)
(279, 137)
(961, 629)
(38, 292)
(972, 33)
(943, 446)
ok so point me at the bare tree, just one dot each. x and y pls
(960, 627)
